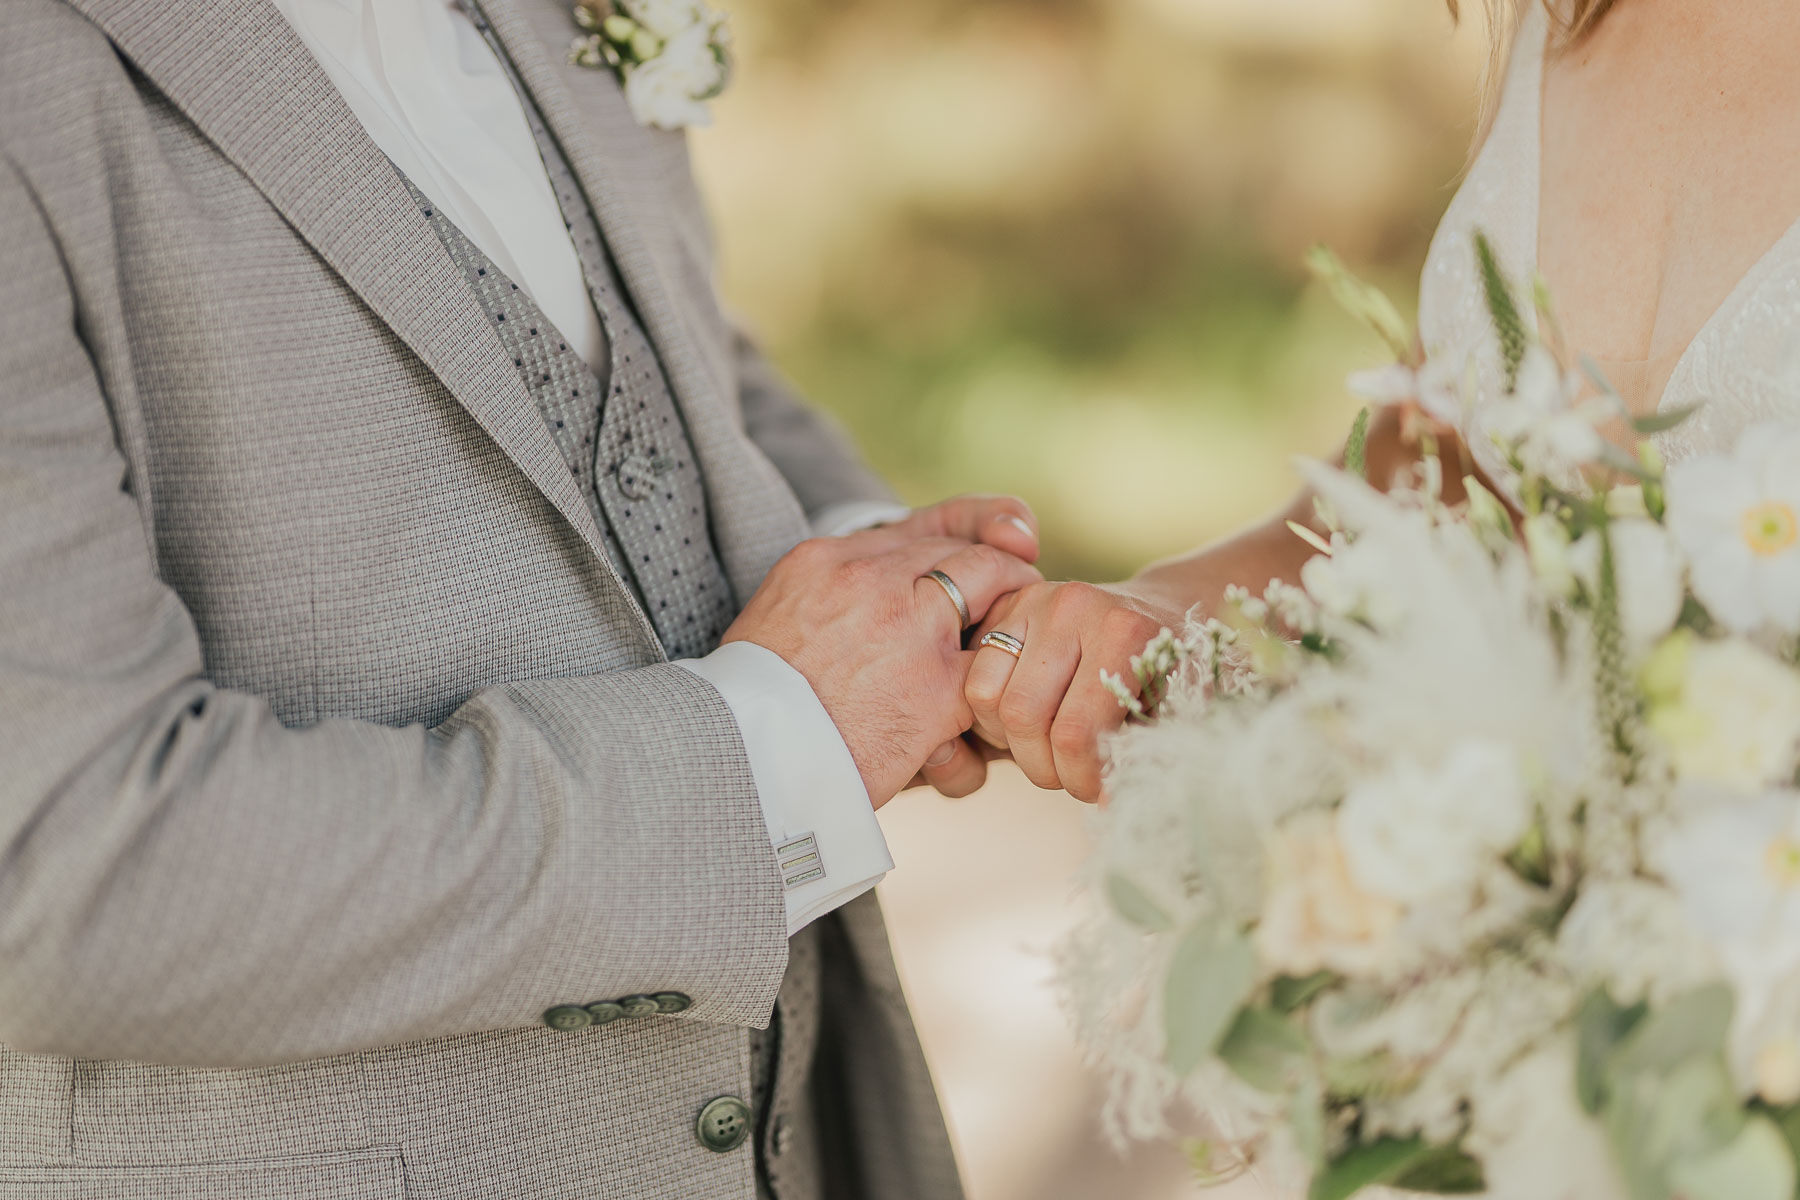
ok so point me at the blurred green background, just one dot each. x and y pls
(1054, 246)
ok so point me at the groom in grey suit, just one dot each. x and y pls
(360, 833)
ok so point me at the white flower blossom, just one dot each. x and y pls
(1737, 517)
(1545, 423)
(1726, 712)
(1414, 835)
(1735, 863)
(1534, 1140)
(1316, 916)
(1633, 936)
(1436, 387)
(1646, 570)
(669, 18)
(1547, 543)
(670, 90)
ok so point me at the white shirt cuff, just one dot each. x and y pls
(852, 516)
(828, 843)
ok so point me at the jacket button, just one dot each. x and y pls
(605, 1012)
(782, 1138)
(568, 1016)
(639, 1006)
(636, 476)
(672, 1002)
(724, 1124)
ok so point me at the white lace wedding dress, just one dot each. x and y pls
(1742, 367)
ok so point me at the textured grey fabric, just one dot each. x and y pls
(628, 449)
(642, 469)
(336, 749)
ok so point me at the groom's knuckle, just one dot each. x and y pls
(987, 562)
(809, 556)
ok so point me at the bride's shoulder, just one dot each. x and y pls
(1498, 196)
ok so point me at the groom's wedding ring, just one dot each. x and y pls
(955, 594)
(1003, 641)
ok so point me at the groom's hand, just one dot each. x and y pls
(879, 640)
(1003, 522)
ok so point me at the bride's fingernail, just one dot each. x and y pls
(941, 755)
(1019, 524)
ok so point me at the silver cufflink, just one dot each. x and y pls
(800, 861)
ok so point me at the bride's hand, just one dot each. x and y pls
(1047, 706)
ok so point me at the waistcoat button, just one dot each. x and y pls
(636, 476)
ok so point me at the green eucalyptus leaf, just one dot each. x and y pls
(1658, 1118)
(1662, 422)
(1787, 1120)
(1289, 992)
(1600, 1025)
(1379, 1162)
(1356, 450)
(1306, 1120)
(1694, 1023)
(1447, 1171)
(1756, 1165)
(1362, 300)
(1370, 1075)
(1266, 1050)
(1210, 977)
(1130, 902)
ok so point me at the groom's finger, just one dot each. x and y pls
(1003, 522)
(960, 770)
(982, 575)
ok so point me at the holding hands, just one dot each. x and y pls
(879, 638)
(872, 624)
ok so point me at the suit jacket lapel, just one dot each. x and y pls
(243, 76)
(598, 137)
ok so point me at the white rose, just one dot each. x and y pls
(670, 90)
(1315, 917)
(1728, 713)
(1414, 835)
(668, 18)
(1647, 570)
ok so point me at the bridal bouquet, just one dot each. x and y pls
(1469, 862)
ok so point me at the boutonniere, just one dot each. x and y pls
(671, 55)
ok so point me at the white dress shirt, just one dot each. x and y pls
(434, 98)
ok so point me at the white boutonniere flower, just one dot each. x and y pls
(672, 56)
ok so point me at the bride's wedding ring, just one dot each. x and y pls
(1003, 641)
(955, 594)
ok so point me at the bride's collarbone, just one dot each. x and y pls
(1668, 172)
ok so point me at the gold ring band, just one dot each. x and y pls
(955, 594)
(1003, 641)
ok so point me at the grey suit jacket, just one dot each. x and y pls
(334, 751)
